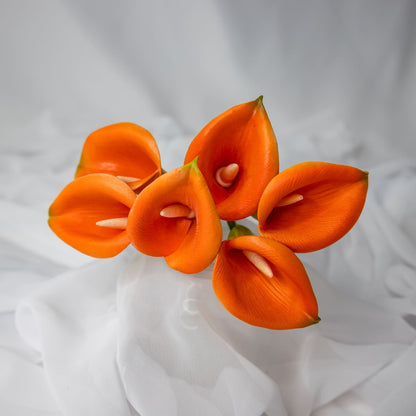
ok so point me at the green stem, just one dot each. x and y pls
(231, 224)
(237, 230)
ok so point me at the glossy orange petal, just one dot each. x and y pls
(313, 204)
(123, 149)
(188, 244)
(247, 291)
(74, 214)
(243, 136)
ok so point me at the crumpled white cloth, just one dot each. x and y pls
(129, 336)
(144, 334)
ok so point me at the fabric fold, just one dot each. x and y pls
(165, 345)
(72, 321)
(139, 337)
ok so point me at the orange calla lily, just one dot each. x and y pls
(175, 217)
(311, 205)
(125, 150)
(263, 283)
(237, 154)
(90, 214)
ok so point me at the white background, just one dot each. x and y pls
(90, 63)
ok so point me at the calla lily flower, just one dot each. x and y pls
(263, 283)
(125, 150)
(311, 205)
(237, 154)
(90, 214)
(175, 217)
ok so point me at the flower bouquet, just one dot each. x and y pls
(121, 195)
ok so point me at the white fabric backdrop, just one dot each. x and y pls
(128, 336)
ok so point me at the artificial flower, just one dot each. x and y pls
(311, 205)
(231, 171)
(263, 283)
(90, 214)
(125, 150)
(175, 217)
(237, 154)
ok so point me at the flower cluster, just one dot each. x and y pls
(121, 196)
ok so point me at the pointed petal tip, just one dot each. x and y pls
(313, 321)
(193, 163)
(79, 168)
(260, 104)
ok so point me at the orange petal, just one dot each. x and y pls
(243, 136)
(333, 197)
(74, 214)
(123, 149)
(188, 244)
(284, 301)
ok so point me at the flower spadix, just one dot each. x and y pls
(90, 214)
(125, 150)
(263, 283)
(311, 205)
(175, 217)
(237, 154)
